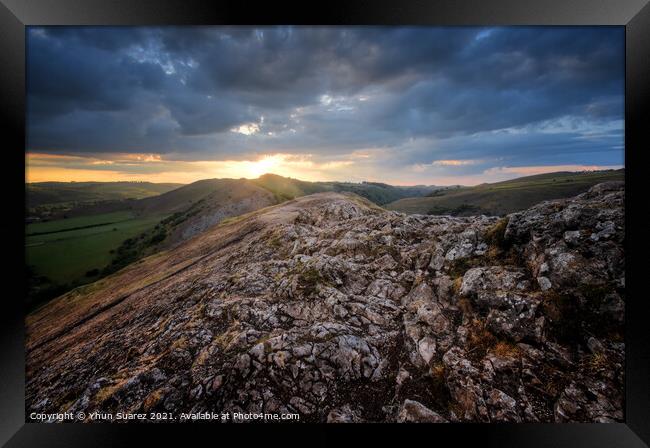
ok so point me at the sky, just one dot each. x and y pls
(406, 106)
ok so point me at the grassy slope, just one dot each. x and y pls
(285, 188)
(505, 197)
(181, 199)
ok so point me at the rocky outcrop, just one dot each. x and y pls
(341, 311)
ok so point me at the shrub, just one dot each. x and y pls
(310, 279)
(157, 237)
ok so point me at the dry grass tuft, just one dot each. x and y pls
(455, 286)
(465, 305)
(505, 349)
(479, 340)
(598, 362)
(438, 373)
(495, 235)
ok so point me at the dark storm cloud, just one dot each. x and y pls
(324, 90)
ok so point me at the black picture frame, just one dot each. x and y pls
(634, 15)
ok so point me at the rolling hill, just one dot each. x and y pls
(287, 188)
(504, 197)
(185, 197)
(47, 199)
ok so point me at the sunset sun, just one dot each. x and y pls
(264, 165)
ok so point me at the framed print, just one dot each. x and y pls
(357, 221)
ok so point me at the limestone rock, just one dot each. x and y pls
(415, 412)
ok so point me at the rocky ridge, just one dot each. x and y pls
(341, 311)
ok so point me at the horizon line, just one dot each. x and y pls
(322, 181)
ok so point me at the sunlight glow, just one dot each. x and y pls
(266, 164)
(355, 167)
(151, 167)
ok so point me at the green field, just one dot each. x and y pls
(65, 250)
(60, 225)
(505, 197)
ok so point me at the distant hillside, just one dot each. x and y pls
(286, 188)
(505, 197)
(41, 193)
(46, 199)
